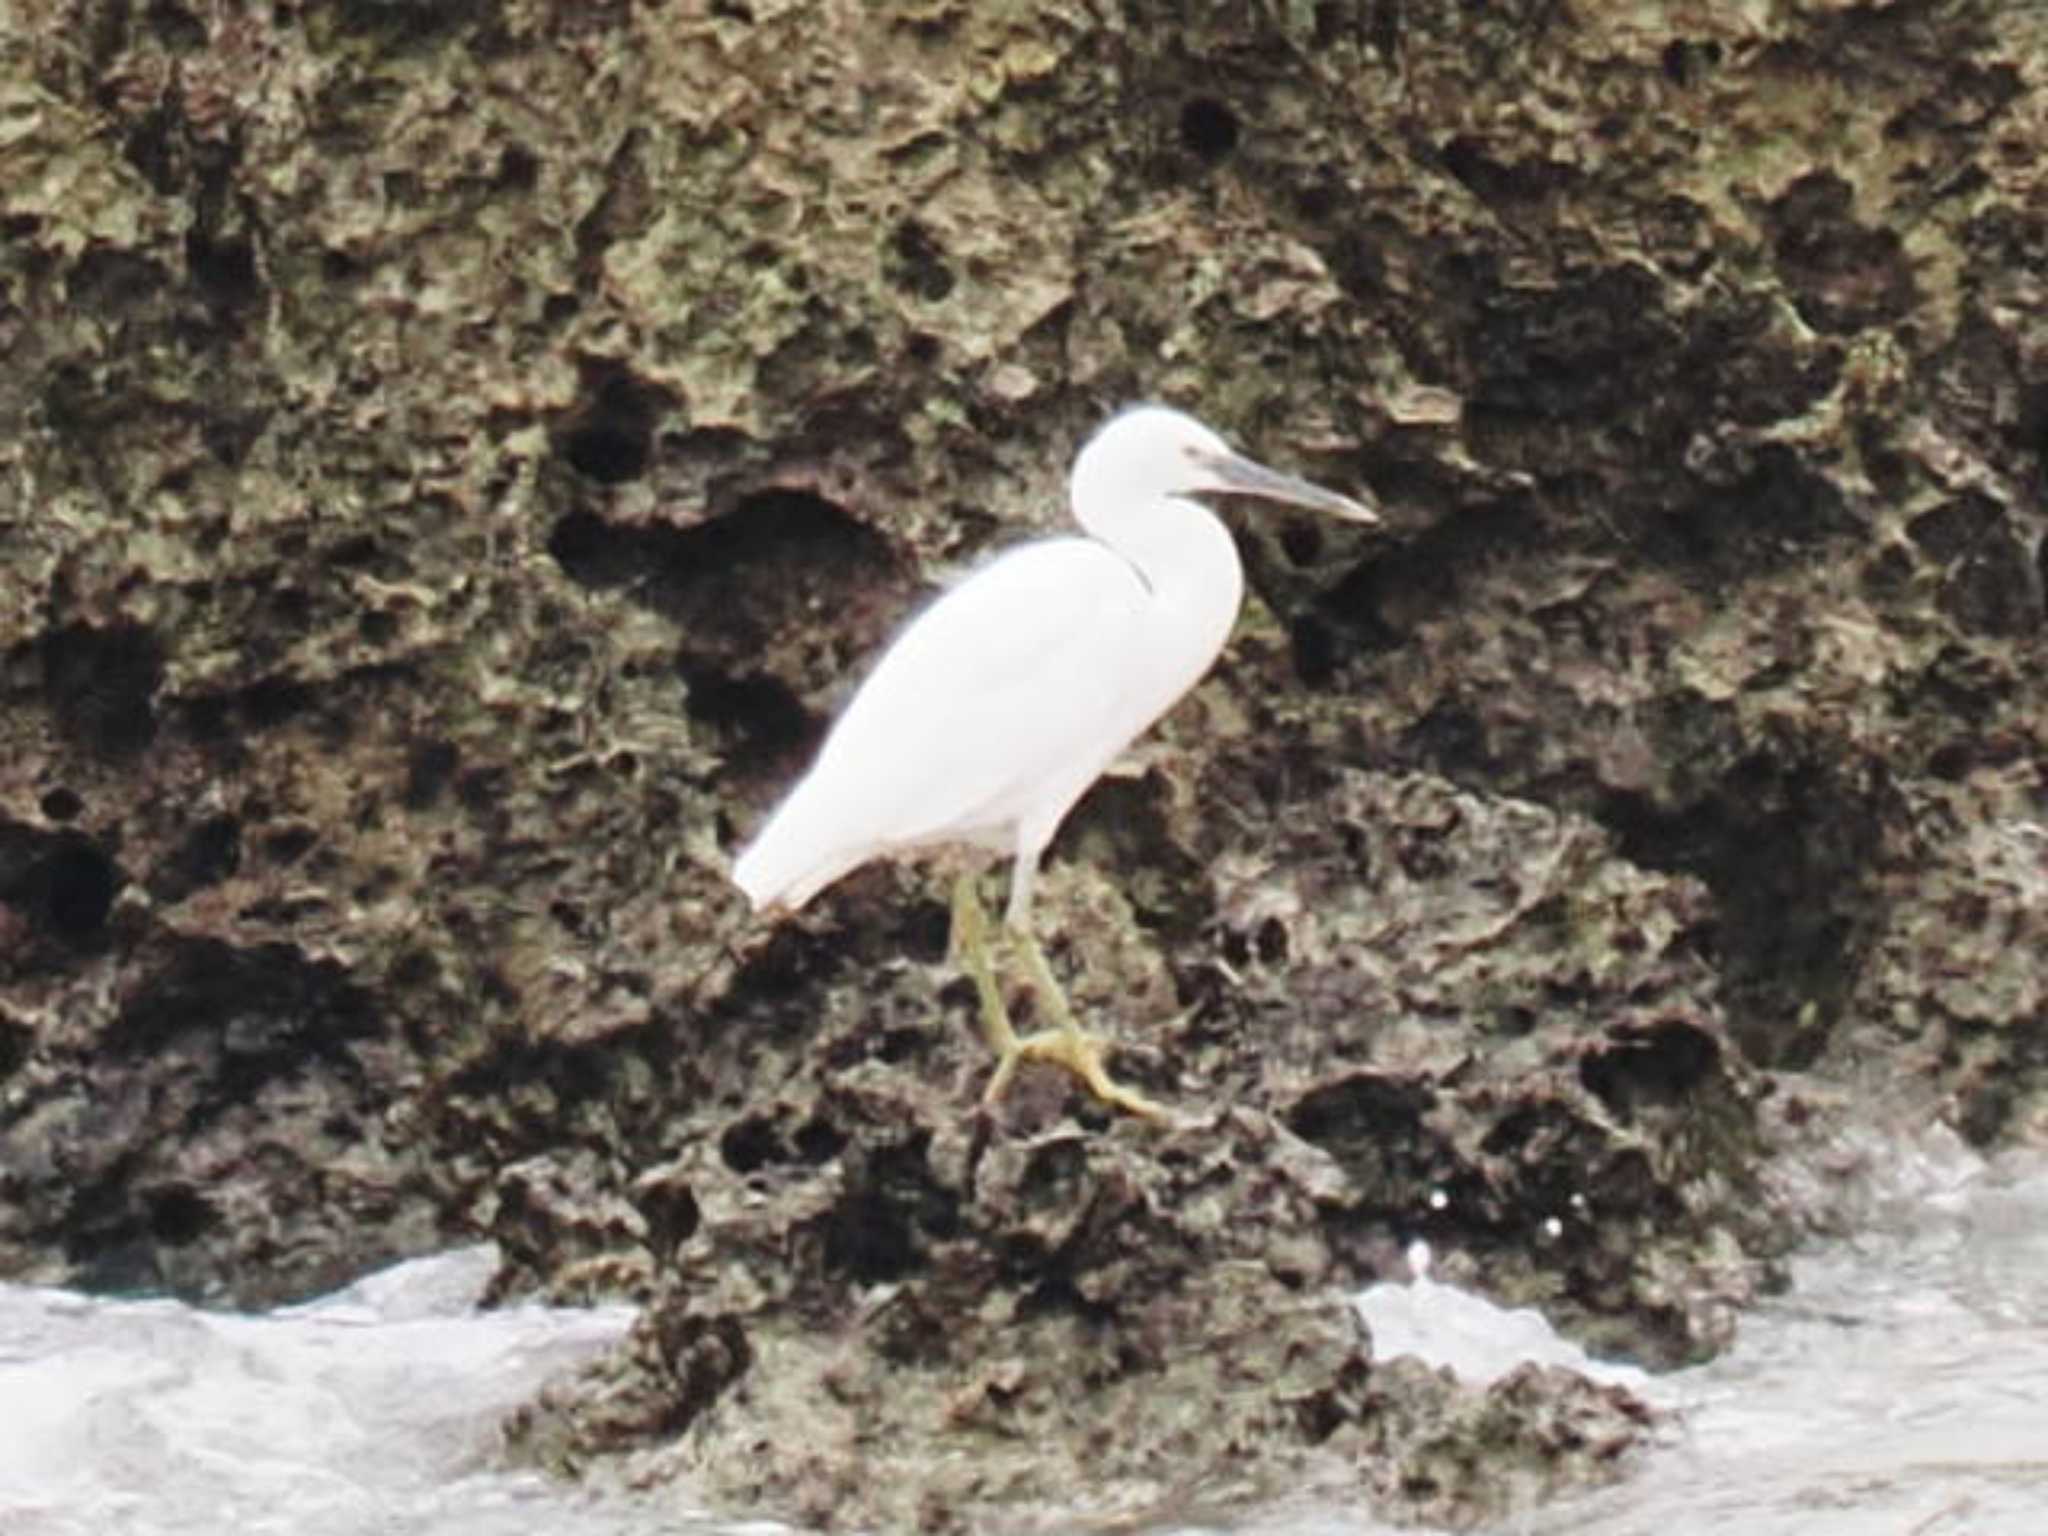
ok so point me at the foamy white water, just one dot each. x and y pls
(375, 1409)
(1902, 1386)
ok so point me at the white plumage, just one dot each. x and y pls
(999, 704)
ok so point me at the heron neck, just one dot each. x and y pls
(1188, 559)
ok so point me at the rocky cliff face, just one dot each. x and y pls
(452, 458)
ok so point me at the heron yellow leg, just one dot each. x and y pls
(1067, 1045)
(1063, 1045)
(970, 952)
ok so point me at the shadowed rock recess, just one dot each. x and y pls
(454, 458)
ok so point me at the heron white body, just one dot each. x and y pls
(998, 705)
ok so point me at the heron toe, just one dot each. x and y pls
(1082, 1055)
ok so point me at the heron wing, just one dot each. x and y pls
(1002, 695)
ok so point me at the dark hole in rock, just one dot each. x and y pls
(107, 281)
(1769, 518)
(900, 1045)
(61, 804)
(1653, 1067)
(518, 168)
(927, 932)
(416, 967)
(242, 1016)
(1952, 761)
(890, 1197)
(917, 263)
(152, 147)
(1373, 1126)
(870, 1239)
(750, 1145)
(1514, 1021)
(359, 551)
(607, 452)
(1318, 202)
(1055, 1177)
(292, 607)
(101, 686)
(1320, 1414)
(1313, 647)
(1990, 584)
(481, 789)
(1272, 941)
(178, 1215)
(1361, 1105)
(704, 1357)
(758, 715)
(287, 845)
(1888, 575)
(910, 1333)
(225, 270)
(672, 1215)
(399, 24)
(611, 439)
(1577, 353)
(783, 968)
(429, 765)
(1789, 850)
(209, 854)
(1995, 590)
(1055, 1294)
(108, 1251)
(1301, 541)
(1450, 740)
(591, 552)
(16, 1041)
(1956, 526)
(818, 1142)
(176, 27)
(780, 556)
(1528, 179)
(1687, 62)
(1843, 275)
(1356, 605)
(69, 890)
(1539, 1136)
(271, 701)
(229, 437)
(1208, 130)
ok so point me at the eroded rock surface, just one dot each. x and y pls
(453, 458)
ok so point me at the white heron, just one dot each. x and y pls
(1000, 703)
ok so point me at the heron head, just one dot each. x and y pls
(1149, 452)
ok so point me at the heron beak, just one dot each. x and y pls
(1243, 477)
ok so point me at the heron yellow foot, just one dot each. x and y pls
(1081, 1055)
(1063, 1045)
